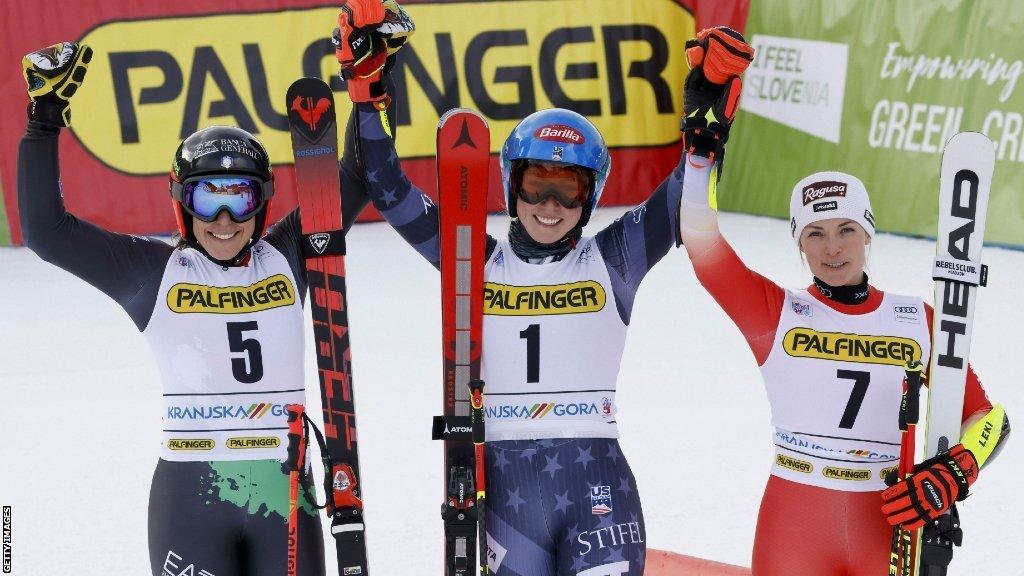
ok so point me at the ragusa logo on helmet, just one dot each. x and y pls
(825, 189)
(559, 133)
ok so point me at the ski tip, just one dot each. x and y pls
(310, 86)
(970, 138)
(310, 105)
(461, 113)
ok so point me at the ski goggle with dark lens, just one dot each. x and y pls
(205, 198)
(568, 185)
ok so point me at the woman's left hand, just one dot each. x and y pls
(933, 487)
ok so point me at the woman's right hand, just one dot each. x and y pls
(368, 33)
(53, 75)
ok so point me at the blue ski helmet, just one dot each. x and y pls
(561, 136)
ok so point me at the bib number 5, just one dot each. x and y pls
(249, 368)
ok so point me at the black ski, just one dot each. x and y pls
(314, 131)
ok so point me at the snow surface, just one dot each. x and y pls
(80, 398)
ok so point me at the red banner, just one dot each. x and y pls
(163, 70)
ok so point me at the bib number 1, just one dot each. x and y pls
(532, 337)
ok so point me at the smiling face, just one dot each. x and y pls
(548, 221)
(556, 194)
(223, 238)
(835, 250)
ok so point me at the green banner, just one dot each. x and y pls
(875, 88)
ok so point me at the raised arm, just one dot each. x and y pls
(366, 41)
(753, 302)
(126, 268)
(637, 240)
(717, 57)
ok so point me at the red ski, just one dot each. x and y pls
(314, 131)
(463, 159)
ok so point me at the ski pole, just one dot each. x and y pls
(476, 388)
(296, 462)
(903, 553)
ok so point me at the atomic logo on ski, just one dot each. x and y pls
(311, 113)
(464, 139)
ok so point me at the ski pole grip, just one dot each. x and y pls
(296, 435)
(476, 398)
(910, 410)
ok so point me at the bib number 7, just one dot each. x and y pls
(860, 389)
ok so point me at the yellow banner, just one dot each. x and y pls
(152, 82)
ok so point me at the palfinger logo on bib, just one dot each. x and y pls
(253, 442)
(273, 292)
(190, 444)
(888, 350)
(836, 473)
(573, 298)
(794, 464)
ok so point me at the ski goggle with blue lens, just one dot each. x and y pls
(205, 198)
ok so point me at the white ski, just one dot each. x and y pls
(964, 184)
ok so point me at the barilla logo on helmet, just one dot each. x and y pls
(559, 133)
(826, 189)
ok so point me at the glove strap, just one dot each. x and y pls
(702, 137)
(49, 114)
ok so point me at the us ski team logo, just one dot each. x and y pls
(600, 500)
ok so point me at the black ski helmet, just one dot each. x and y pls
(220, 150)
